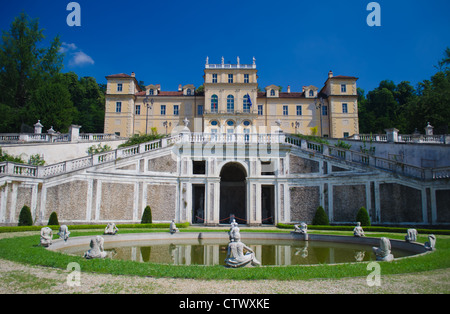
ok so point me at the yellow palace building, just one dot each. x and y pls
(232, 102)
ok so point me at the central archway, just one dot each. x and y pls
(233, 193)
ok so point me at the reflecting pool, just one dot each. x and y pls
(213, 252)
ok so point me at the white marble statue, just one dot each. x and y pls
(173, 227)
(46, 237)
(63, 232)
(358, 231)
(302, 228)
(235, 254)
(430, 245)
(111, 229)
(97, 250)
(383, 253)
(411, 235)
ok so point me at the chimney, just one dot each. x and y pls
(289, 88)
(133, 75)
(330, 74)
(180, 88)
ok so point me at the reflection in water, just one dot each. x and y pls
(213, 252)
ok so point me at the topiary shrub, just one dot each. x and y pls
(363, 217)
(147, 216)
(320, 218)
(25, 218)
(53, 220)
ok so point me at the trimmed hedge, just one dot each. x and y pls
(53, 220)
(372, 229)
(25, 218)
(85, 227)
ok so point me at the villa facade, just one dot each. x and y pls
(232, 102)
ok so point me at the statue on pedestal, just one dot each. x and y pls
(235, 254)
(96, 250)
(358, 231)
(383, 253)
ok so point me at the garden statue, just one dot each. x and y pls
(235, 254)
(411, 235)
(173, 227)
(64, 232)
(383, 253)
(96, 250)
(431, 244)
(302, 228)
(111, 229)
(46, 236)
(358, 231)
(233, 224)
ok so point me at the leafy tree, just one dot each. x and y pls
(320, 218)
(363, 217)
(147, 215)
(53, 220)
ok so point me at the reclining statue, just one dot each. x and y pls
(96, 250)
(46, 237)
(411, 235)
(64, 232)
(235, 254)
(173, 227)
(302, 228)
(358, 231)
(383, 253)
(111, 229)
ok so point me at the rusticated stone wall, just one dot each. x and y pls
(400, 203)
(302, 165)
(23, 198)
(443, 205)
(347, 200)
(68, 200)
(162, 164)
(162, 200)
(117, 201)
(304, 203)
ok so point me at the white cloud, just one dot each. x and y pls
(80, 59)
(77, 57)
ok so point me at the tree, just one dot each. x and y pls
(147, 215)
(53, 220)
(25, 218)
(23, 65)
(363, 217)
(320, 218)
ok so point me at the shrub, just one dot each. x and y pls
(321, 218)
(25, 218)
(53, 220)
(363, 217)
(147, 216)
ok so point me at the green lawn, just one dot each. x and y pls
(25, 249)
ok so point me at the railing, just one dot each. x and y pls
(53, 138)
(369, 160)
(245, 138)
(230, 66)
(402, 138)
(14, 169)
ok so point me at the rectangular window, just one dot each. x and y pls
(119, 87)
(138, 110)
(343, 88)
(118, 106)
(346, 134)
(214, 78)
(299, 110)
(260, 110)
(200, 110)
(285, 110)
(175, 110)
(344, 108)
(230, 78)
(163, 110)
(246, 78)
(324, 110)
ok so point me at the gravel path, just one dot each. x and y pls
(19, 278)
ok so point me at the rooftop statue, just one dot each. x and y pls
(46, 237)
(97, 250)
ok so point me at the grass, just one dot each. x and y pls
(25, 249)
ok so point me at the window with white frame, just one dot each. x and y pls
(214, 103)
(324, 110)
(175, 110)
(119, 87)
(260, 110)
(163, 110)
(138, 110)
(246, 78)
(299, 110)
(214, 78)
(344, 108)
(230, 78)
(343, 88)
(285, 110)
(118, 106)
(246, 103)
(230, 104)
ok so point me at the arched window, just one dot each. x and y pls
(272, 92)
(230, 104)
(246, 103)
(214, 103)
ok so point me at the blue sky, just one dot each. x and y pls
(295, 43)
